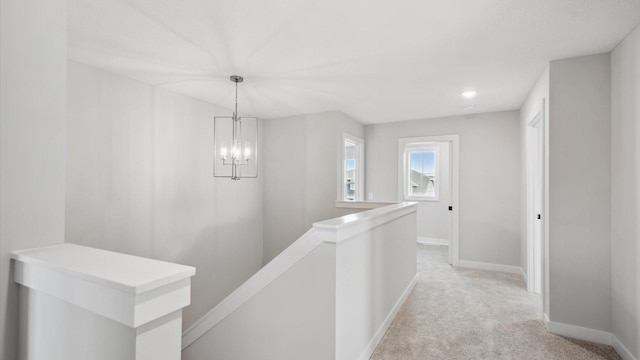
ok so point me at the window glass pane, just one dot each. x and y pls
(350, 173)
(422, 174)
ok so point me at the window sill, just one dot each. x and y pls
(362, 204)
(421, 199)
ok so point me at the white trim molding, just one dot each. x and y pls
(536, 197)
(432, 241)
(577, 332)
(359, 171)
(362, 204)
(490, 267)
(622, 350)
(587, 334)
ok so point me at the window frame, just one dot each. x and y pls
(413, 147)
(359, 170)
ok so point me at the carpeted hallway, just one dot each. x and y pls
(456, 313)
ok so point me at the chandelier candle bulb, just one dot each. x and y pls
(247, 150)
(236, 151)
(223, 151)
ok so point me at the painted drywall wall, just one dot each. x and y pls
(529, 109)
(579, 191)
(489, 178)
(301, 174)
(625, 197)
(140, 181)
(33, 52)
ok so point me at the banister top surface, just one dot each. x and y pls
(352, 219)
(121, 271)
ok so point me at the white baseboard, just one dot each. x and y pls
(587, 334)
(622, 350)
(524, 276)
(371, 346)
(491, 267)
(578, 332)
(432, 241)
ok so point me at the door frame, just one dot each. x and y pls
(360, 171)
(454, 168)
(536, 200)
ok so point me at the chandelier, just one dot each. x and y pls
(235, 144)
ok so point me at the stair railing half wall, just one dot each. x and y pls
(332, 294)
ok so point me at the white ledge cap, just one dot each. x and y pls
(119, 271)
(128, 289)
(346, 227)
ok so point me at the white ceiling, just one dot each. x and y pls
(378, 61)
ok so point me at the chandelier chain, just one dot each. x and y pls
(236, 112)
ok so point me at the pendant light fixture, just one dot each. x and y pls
(235, 143)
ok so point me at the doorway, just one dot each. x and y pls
(428, 173)
(535, 165)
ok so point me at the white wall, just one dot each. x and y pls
(301, 174)
(579, 192)
(33, 56)
(529, 109)
(140, 181)
(489, 178)
(625, 197)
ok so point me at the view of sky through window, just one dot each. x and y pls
(350, 164)
(423, 162)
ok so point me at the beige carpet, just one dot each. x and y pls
(456, 313)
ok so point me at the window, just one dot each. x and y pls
(352, 164)
(421, 171)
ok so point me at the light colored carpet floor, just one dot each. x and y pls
(457, 313)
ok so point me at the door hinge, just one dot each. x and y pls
(450, 208)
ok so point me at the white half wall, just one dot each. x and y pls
(331, 295)
(140, 180)
(489, 178)
(375, 272)
(579, 192)
(33, 53)
(625, 196)
(301, 174)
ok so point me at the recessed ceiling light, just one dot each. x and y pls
(469, 94)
